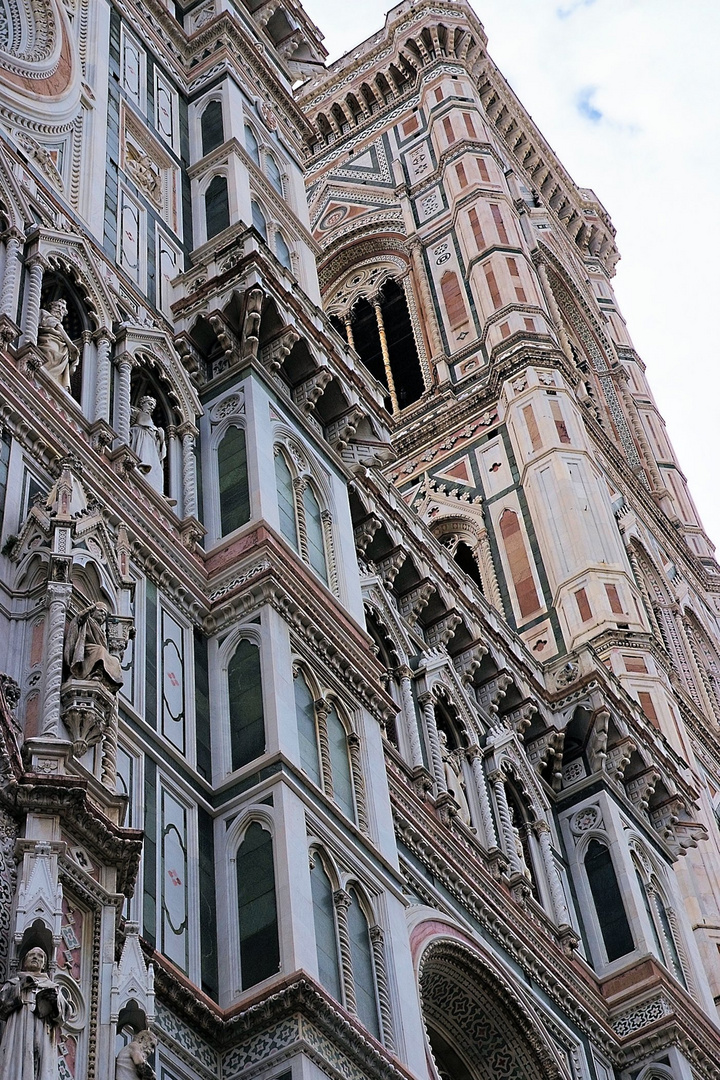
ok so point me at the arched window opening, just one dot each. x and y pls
(258, 220)
(286, 499)
(251, 145)
(326, 943)
(233, 481)
(382, 334)
(247, 722)
(662, 932)
(340, 763)
(273, 173)
(307, 729)
(257, 907)
(314, 532)
(282, 251)
(362, 966)
(340, 327)
(217, 206)
(211, 127)
(467, 562)
(608, 902)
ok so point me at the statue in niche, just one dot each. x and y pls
(33, 1008)
(148, 442)
(133, 1061)
(61, 355)
(454, 779)
(86, 648)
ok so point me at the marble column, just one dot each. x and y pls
(103, 344)
(552, 876)
(36, 268)
(58, 597)
(8, 295)
(427, 702)
(188, 434)
(410, 717)
(474, 756)
(125, 364)
(506, 826)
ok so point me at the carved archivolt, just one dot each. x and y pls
(38, 59)
(364, 280)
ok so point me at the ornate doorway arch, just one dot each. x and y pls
(477, 1027)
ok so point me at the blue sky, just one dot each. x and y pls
(628, 94)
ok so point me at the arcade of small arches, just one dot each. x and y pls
(371, 310)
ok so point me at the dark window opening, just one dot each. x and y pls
(404, 361)
(608, 902)
(217, 206)
(466, 561)
(257, 907)
(211, 127)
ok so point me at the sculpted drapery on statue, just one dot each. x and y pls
(133, 1061)
(148, 442)
(60, 354)
(87, 653)
(33, 1009)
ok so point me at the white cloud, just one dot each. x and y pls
(649, 68)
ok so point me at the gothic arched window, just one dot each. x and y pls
(257, 907)
(314, 532)
(273, 173)
(211, 127)
(307, 730)
(251, 145)
(233, 481)
(282, 251)
(247, 723)
(286, 499)
(363, 972)
(217, 206)
(258, 220)
(326, 943)
(342, 780)
(608, 902)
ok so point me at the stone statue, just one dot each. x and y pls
(60, 354)
(33, 1009)
(133, 1060)
(148, 442)
(86, 648)
(454, 779)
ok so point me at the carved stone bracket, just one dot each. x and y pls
(308, 393)
(365, 531)
(441, 632)
(641, 788)
(548, 750)
(618, 758)
(412, 602)
(389, 567)
(468, 662)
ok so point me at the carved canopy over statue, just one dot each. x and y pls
(86, 648)
(133, 1061)
(148, 442)
(33, 1009)
(60, 354)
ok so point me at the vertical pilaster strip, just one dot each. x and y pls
(358, 780)
(552, 876)
(410, 718)
(474, 756)
(58, 597)
(321, 710)
(36, 268)
(8, 296)
(506, 826)
(122, 424)
(377, 940)
(427, 703)
(103, 341)
(188, 434)
(342, 902)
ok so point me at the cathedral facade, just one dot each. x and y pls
(360, 706)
